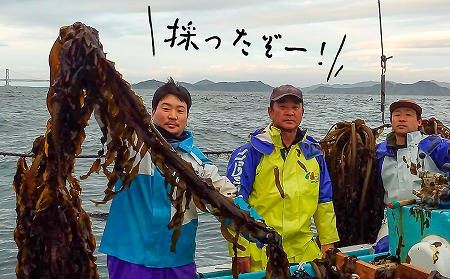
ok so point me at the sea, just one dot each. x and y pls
(220, 121)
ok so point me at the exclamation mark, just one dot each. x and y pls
(321, 51)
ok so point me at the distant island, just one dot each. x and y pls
(207, 85)
(432, 88)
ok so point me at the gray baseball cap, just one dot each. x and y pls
(285, 90)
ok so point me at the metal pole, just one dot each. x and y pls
(383, 67)
(7, 77)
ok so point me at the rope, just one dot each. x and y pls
(30, 154)
(225, 153)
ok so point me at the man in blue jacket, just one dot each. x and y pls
(406, 153)
(137, 239)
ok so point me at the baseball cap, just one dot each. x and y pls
(405, 104)
(285, 90)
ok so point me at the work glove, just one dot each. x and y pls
(272, 238)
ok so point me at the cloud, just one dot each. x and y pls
(417, 40)
(415, 32)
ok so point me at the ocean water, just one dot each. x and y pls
(221, 121)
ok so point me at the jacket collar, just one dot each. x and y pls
(413, 138)
(185, 141)
(388, 147)
(265, 140)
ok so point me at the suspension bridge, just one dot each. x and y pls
(8, 79)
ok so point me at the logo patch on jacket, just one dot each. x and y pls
(312, 177)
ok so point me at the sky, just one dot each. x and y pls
(239, 40)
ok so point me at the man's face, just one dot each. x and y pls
(171, 115)
(404, 120)
(286, 113)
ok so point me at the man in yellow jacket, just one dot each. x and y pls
(282, 174)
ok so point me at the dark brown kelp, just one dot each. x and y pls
(358, 199)
(434, 126)
(53, 232)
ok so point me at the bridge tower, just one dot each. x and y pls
(7, 77)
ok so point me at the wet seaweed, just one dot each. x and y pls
(53, 232)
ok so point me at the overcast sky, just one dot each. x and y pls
(415, 32)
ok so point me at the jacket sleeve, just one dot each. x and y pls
(221, 183)
(244, 239)
(227, 189)
(205, 169)
(438, 149)
(324, 217)
(241, 172)
(241, 169)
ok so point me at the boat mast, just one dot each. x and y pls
(383, 67)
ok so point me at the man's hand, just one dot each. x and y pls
(274, 239)
(325, 248)
(243, 264)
